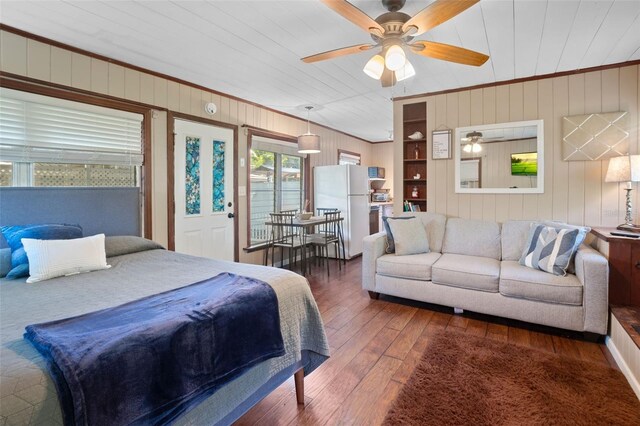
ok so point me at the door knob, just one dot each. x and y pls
(231, 215)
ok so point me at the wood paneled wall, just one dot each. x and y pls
(382, 156)
(575, 192)
(26, 57)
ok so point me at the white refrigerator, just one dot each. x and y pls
(347, 189)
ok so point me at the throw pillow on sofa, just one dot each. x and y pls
(409, 236)
(391, 246)
(551, 249)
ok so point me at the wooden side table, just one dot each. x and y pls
(624, 267)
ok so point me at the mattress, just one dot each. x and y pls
(27, 394)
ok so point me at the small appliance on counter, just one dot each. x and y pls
(380, 196)
(376, 172)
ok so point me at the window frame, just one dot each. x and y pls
(77, 95)
(306, 169)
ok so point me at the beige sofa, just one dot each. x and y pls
(473, 265)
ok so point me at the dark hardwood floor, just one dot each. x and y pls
(375, 344)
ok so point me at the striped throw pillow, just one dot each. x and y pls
(551, 249)
(56, 258)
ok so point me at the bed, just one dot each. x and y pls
(139, 269)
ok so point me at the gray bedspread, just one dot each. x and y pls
(27, 394)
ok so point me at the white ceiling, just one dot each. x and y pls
(252, 49)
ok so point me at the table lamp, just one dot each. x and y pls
(625, 169)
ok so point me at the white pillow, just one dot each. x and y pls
(56, 258)
(409, 236)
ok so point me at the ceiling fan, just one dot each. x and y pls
(472, 140)
(394, 30)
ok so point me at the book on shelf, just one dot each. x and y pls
(411, 207)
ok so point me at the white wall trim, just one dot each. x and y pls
(633, 381)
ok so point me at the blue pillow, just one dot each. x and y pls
(15, 234)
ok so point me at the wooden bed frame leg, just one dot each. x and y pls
(298, 377)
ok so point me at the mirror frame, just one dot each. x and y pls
(539, 189)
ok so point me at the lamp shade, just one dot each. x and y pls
(395, 58)
(405, 72)
(308, 144)
(374, 67)
(624, 169)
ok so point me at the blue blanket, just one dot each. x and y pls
(148, 361)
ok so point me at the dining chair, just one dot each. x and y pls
(328, 233)
(287, 236)
(322, 210)
(270, 233)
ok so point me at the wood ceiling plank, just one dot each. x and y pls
(498, 22)
(557, 26)
(621, 17)
(588, 20)
(529, 23)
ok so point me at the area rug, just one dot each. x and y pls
(464, 380)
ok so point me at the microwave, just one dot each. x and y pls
(380, 197)
(376, 172)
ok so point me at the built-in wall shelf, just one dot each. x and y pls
(415, 120)
(414, 154)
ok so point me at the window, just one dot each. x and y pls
(347, 157)
(276, 183)
(47, 141)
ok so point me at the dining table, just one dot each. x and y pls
(306, 226)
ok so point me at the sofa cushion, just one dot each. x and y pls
(413, 266)
(434, 224)
(409, 236)
(583, 232)
(526, 283)
(472, 272)
(472, 238)
(391, 244)
(551, 249)
(513, 238)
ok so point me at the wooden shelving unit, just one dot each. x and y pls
(414, 119)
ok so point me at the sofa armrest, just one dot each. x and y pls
(592, 269)
(373, 246)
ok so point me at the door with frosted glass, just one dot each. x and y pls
(203, 173)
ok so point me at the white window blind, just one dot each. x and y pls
(273, 145)
(36, 128)
(346, 158)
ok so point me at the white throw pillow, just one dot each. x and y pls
(409, 236)
(56, 258)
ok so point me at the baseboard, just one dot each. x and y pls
(633, 381)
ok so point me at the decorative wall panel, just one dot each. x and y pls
(591, 137)
(192, 176)
(218, 176)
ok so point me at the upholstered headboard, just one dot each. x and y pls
(112, 211)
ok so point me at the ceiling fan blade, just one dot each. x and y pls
(446, 52)
(388, 78)
(355, 15)
(337, 53)
(435, 14)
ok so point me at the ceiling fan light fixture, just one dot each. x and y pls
(374, 67)
(467, 148)
(476, 147)
(395, 58)
(308, 143)
(405, 72)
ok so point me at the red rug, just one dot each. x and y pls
(466, 380)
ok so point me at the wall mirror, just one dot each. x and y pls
(504, 158)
